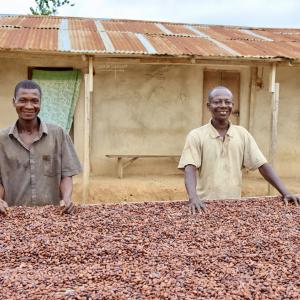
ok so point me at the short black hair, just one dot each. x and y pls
(27, 84)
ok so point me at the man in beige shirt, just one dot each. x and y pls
(215, 154)
(37, 160)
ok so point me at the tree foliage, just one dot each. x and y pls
(48, 7)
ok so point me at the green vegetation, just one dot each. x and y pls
(48, 7)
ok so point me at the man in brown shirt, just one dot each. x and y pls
(215, 154)
(37, 160)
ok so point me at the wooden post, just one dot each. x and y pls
(252, 98)
(272, 78)
(88, 89)
(86, 158)
(91, 75)
(275, 107)
(274, 126)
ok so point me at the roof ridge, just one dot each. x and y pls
(150, 22)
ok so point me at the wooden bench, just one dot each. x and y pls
(124, 161)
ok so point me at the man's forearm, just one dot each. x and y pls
(3, 204)
(1, 192)
(66, 188)
(190, 180)
(269, 174)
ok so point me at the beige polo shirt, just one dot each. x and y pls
(32, 175)
(219, 162)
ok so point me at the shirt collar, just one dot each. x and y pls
(13, 131)
(214, 132)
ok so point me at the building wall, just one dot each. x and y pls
(144, 109)
(149, 109)
(288, 150)
(287, 159)
(10, 73)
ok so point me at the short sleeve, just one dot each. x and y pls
(69, 160)
(191, 154)
(253, 157)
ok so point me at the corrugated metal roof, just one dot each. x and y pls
(131, 26)
(181, 45)
(28, 21)
(126, 42)
(28, 39)
(121, 37)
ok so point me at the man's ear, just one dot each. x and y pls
(14, 101)
(208, 105)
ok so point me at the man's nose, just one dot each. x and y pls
(29, 104)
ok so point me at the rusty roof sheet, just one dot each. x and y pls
(81, 40)
(280, 35)
(223, 33)
(180, 45)
(179, 29)
(30, 21)
(126, 42)
(131, 26)
(115, 37)
(82, 24)
(28, 39)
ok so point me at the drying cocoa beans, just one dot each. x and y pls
(247, 249)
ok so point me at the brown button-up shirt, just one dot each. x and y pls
(31, 175)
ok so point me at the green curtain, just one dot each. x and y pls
(60, 92)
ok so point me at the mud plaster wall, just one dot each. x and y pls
(144, 109)
(10, 73)
(149, 109)
(288, 150)
(287, 159)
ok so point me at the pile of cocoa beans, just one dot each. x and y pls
(241, 249)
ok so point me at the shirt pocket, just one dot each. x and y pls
(50, 165)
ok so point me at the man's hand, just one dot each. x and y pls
(66, 187)
(190, 179)
(68, 207)
(196, 205)
(291, 198)
(3, 207)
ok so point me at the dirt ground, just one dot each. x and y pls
(159, 188)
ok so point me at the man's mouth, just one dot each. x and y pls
(223, 112)
(28, 112)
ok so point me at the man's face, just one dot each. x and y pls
(27, 103)
(220, 105)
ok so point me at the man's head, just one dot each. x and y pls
(220, 103)
(27, 99)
